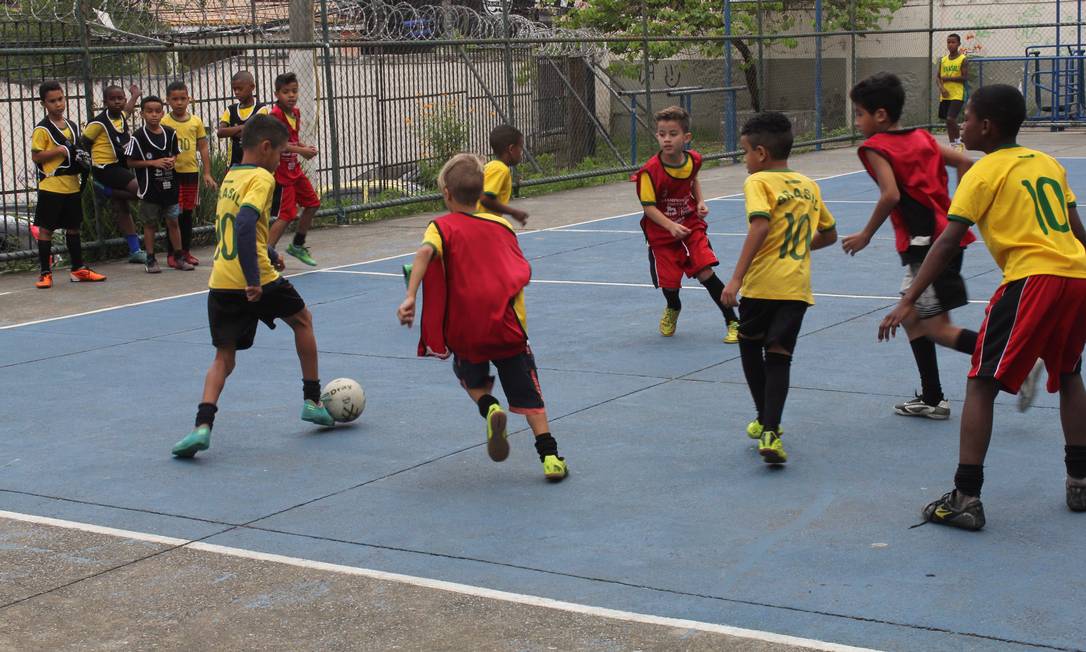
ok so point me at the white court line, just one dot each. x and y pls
(441, 585)
(337, 267)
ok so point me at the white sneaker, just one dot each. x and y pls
(916, 407)
(1028, 390)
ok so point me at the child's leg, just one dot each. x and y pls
(943, 332)
(305, 343)
(952, 130)
(304, 222)
(174, 236)
(221, 368)
(976, 434)
(671, 296)
(45, 250)
(751, 352)
(149, 238)
(74, 242)
(708, 278)
(275, 231)
(305, 196)
(1073, 415)
(778, 367)
(520, 381)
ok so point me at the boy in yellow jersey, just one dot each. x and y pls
(234, 117)
(106, 136)
(788, 220)
(951, 75)
(507, 144)
(191, 138)
(1019, 200)
(474, 275)
(55, 150)
(246, 287)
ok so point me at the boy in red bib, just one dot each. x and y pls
(292, 186)
(475, 311)
(674, 222)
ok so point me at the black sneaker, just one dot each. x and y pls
(954, 510)
(1076, 494)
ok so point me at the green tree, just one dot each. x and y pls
(705, 18)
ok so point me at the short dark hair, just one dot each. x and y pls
(109, 89)
(48, 87)
(771, 130)
(242, 75)
(284, 79)
(503, 137)
(176, 86)
(263, 127)
(150, 99)
(955, 36)
(674, 114)
(882, 90)
(1003, 105)
(463, 176)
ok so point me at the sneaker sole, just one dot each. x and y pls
(771, 457)
(497, 446)
(554, 477)
(927, 415)
(191, 451)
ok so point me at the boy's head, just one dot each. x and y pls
(953, 42)
(878, 102)
(263, 140)
(52, 98)
(993, 117)
(766, 140)
(114, 98)
(243, 84)
(177, 94)
(461, 180)
(151, 110)
(672, 130)
(286, 90)
(507, 143)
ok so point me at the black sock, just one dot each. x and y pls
(299, 239)
(311, 390)
(205, 414)
(484, 403)
(545, 445)
(1075, 459)
(45, 252)
(715, 288)
(178, 254)
(184, 223)
(966, 342)
(931, 391)
(75, 249)
(672, 297)
(750, 351)
(150, 256)
(778, 367)
(969, 478)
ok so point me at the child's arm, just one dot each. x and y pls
(938, 257)
(406, 312)
(677, 231)
(48, 154)
(1076, 224)
(759, 230)
(133, 94)
(135, 162)
(494, 206)
(959, 160)
(824, 238)
(306, 151)
(889, 196)
(703, 209)
(205, 162)
(939, 78)
(963, 75)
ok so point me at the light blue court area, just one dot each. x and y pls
(668, 511)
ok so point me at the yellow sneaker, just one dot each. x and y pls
(497, 445)
(554, 468)
(733, 333)
(754, 429)
(668, 322)
(771, 449)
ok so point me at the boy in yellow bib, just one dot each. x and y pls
(950, 75)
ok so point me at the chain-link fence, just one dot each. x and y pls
(389, 91)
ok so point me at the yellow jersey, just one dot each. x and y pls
(497, 183)
(1018, 198)
(244, 185)
(189, 132)
(792, 203)
(102, 153)
(952, 68)
(40, 141)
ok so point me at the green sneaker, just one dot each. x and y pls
(754, 429)
(138, 257)
(554, 468)
(732, 336)
(497, 444)
(197, 440)
(771, 448)
(302, 254)
(315, 413)
(407, 273)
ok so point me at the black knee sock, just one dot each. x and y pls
(45, 253)
(311, 390)
(545, 445)
(184, 223)
(205, 414)
(966, 342)
(931, 391)
(715, 288)
(969, 479)
(75, 249)
(484, 403)
(778, 367)
(299, 239)
(1075, 459)
(750, 351)
(672, 297)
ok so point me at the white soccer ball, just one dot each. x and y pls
(344, 399)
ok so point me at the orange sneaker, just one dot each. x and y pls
(45, 281)
(86, 275)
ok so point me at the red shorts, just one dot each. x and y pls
(289, 196)
(669, 262)
(1035, 317)
(188, 190)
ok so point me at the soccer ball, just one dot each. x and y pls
(344, 399)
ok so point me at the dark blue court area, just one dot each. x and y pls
(669, 510)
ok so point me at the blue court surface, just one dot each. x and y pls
(668, 510)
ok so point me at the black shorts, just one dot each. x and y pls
(949, 109)
(518, 375)
(772, 321)
(233, 318)
(57, 210)
(942, 296)
(114, 176)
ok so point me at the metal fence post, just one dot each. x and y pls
(931, 55)
(333, 129)
(88, 91)
(760, 73)
(645, 58)
(730, 118)
(818, 73)
(510, 103)
(633, 130)
(852, 66)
